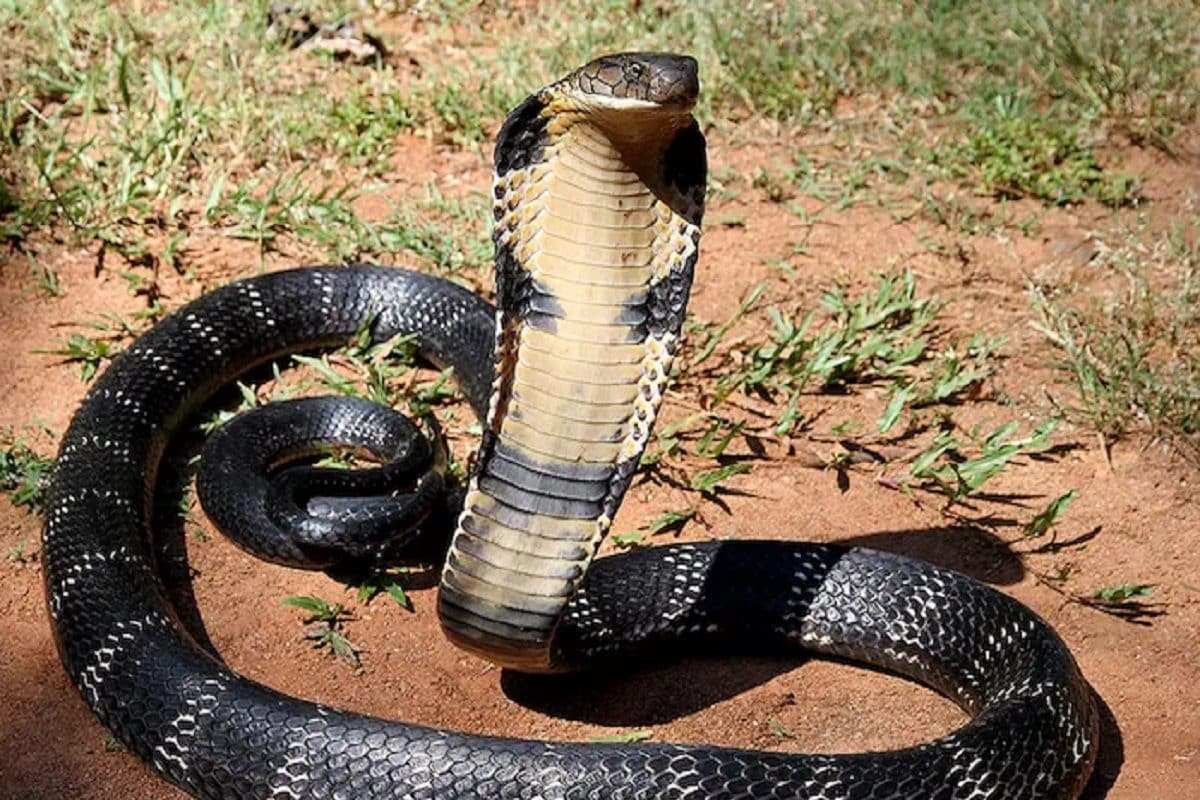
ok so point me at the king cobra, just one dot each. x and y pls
(598, 195)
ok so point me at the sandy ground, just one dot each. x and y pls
(1135, 520)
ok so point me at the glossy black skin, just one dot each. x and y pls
(219, 735)
(299, 515)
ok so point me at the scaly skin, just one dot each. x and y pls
(599, 194)
(216, 734)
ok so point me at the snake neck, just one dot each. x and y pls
(596, 235)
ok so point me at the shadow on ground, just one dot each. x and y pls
(50, 744)
(969, 549)
(1111, 757)
(647, 692)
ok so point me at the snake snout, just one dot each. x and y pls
(675, 81)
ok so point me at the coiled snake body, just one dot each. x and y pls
(599, 190)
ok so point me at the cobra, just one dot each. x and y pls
(599, 185)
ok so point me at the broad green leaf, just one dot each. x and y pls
(1048, 516)
(709, 481)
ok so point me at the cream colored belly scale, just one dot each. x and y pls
(580, 388)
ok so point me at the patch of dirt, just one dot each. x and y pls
(1135, 520)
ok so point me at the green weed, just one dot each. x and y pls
(1124, 592)
(24, 474)
(710, 481)
(444, 249)
(262, 209)
(666, 521)
(45, 277)
(625, 737)
(779, 729)
(281, 390)
(1128, 601)
(17, 553)
(388, 582)
(361, 125)
(1014, 152)
(1048, 517)
(1133, 355)
(703, 469)
(948, 375)
(326, 621)
(946, 465)
(89, 352)
(120, 126)
(876, 335)
(373, 371)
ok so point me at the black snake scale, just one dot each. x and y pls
(299, 515)
(1033, 728)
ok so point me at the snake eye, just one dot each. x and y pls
(633, 72)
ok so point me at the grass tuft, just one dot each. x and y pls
(326, 621)
(1013, 151)
(1132, 354)
(24, 474)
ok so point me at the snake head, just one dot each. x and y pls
(635, 82)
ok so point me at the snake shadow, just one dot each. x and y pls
(1111, 756)
(650, 690)
(973, 550)
(171, 514)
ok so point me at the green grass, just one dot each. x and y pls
(958, 468)
(143, 130)
(1046, 519)
(89, 352)
(889, 339)
(701, 471)
(360, 126)
(665, 522)
(1129, 601)
(326, 621)
(24, 474)
(384, 581)
(887, 335)
(1124, 592)
(379, 372)
(20, 555)
(1131, 355)
(624, 737)
(281, 389)
(1013, 151)
(46, 278)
